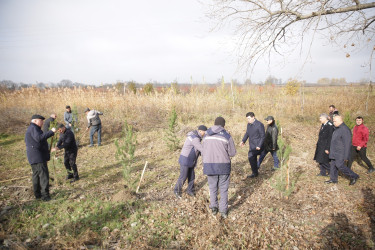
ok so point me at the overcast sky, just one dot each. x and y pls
(97, 41)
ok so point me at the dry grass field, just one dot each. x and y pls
(97, 212)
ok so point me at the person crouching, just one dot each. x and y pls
(188, 160)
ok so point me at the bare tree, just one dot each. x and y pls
(280, 26)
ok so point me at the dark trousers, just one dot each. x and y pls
(96, 128)
(362, 154)
(324, 167)
(185, 173)
(70, 162)
(253, 160)
(40, 180)
(340, 165)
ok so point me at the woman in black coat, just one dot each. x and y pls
(270, 143)
(322, 146)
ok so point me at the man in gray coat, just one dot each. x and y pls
(68, 118)
(188, 160)
(218, 148)
(339, 152)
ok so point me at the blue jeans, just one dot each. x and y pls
(274, 156)
(93, 129)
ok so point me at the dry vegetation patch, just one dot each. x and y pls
(98, 212)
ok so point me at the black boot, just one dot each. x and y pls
(69, 176)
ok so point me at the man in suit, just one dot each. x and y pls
(339, 152)
(322, 146)
(255, 133)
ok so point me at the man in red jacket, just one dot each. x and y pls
(359, 143)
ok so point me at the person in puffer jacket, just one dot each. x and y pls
(188, 160)
(218, 148)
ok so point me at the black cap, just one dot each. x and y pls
(269, 118)
(67, 107)
(37, 117)
(86, 110)
(202, 127)
(220, 121)
(61, 125)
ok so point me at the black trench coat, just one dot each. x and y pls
(324, 142)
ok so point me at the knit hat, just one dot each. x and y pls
(37, 117)
(86, 110)
(67, 107)
(220, 121)
(61, 125)
(202, 127)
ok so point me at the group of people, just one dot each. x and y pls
(38, 149)
(335, 151)
(217, 147)
(336, 148)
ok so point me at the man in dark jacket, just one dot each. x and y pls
(188, 160)
(339, 152)
(93, 121)
(218, 148)
(255, 134)
(68, 142)
(47, 123)
(270, 143)
(322, 146)
(359, 144)
(38, 155)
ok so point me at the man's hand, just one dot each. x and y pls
(327, 152)
(53, 130)
(54, 149)
(87, 129)
(358, 148)
(70, 124)
(257, 148)
(242, 144)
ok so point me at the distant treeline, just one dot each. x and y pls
(10, 85)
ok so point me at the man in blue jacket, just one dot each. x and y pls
(188, 160)
(38, 155)
(339, 152)
(255, 133)
(218, 148)
(67, 141)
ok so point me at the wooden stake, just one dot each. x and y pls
(15, 179)
(143, 172)
(287, 175)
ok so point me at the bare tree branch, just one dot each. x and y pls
(266, 26)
